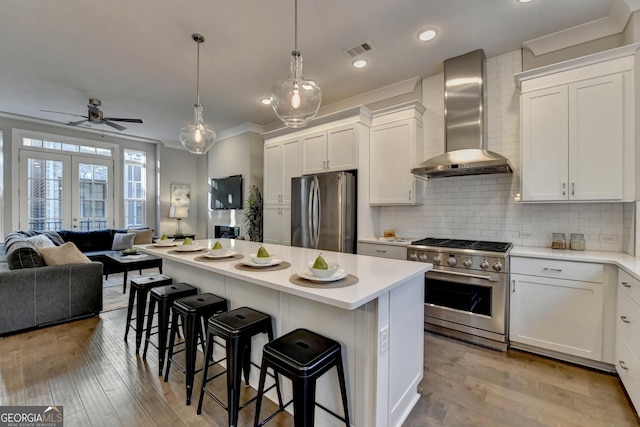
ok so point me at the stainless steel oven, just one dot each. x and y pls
(466, 292)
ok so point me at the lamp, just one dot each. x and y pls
(197, 138)
(179, 212)
(295, 100)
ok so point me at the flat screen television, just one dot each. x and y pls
(226, 192)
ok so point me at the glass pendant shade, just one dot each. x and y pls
(295, 100)
(197, 138)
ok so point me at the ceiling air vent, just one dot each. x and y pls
(359, 49)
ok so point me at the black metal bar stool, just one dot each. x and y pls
(237, 327)
(140, 287)
(163, 296)
(193, 311)
(303, 357)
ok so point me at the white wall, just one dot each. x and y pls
(178, 166)
(237, 155)
(484, 206)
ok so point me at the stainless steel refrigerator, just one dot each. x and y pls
(323, 211)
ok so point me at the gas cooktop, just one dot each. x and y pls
(464, 244)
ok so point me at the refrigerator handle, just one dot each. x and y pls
(310, 209)
(317, 211)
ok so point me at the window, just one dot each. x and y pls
(135, 172)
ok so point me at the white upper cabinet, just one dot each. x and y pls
(577, 129)
(281, 163)
(334, 149)
(396, 147)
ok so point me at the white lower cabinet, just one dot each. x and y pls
(557, 306)
(277, 224)
(628, 336)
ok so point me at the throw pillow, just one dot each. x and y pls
(122, 241)
(63, 255)
(143, 236)
(40, 241)
(20, 253)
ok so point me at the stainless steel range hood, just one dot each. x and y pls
(465, 133)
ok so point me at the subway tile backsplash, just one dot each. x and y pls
(485, 206)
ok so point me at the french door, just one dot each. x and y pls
(64, 191)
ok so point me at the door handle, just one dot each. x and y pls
(625, 319)
(625, 284)
(564, 188)
(513, 286)
(623, 365)
(573, 188)
(557, 270)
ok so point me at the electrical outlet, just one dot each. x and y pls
(384, 339)
(526, 234)
(608, 238)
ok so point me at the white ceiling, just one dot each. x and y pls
(138, 57)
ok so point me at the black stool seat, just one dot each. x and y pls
(303, 356)
(140, 287)
(193, 311)
(237, 327)
(163, 296)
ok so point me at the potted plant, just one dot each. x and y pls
(252, 215)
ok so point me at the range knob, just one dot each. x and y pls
(467, 263)
(423, 257)
(413, 256)
(484, 265)
(497, 266)
(452, 262)
(437, 260)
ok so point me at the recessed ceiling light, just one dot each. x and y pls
(524, 1)
(266, 101)
(360, 63)
(427, 34)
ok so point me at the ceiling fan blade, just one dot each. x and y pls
(113, 119)
(60, 112)
(79, 122)
(114, 125)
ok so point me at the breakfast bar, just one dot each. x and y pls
(375, 312)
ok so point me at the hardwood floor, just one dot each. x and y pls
(466, 385)
(88, 368)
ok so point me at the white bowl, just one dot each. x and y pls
(260, 260)
(165, 242)
(323, 274)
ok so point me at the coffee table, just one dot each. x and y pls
(132, 262)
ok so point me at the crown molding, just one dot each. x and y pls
(615, 23)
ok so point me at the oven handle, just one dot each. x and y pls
(493, 278)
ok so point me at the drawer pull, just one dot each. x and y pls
(625, 319)
(622, 364)
(381, 251)
(625, 284)
(557, 270)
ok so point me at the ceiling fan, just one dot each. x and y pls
(94, 115)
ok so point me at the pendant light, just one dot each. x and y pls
(295, 100)
(197, 138)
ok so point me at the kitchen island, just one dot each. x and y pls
(378, 319)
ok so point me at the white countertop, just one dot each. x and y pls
(376, 276)
(627, 262)
(395, 241)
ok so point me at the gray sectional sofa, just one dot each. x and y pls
(33, 294)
